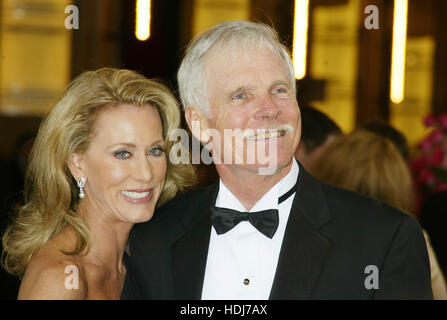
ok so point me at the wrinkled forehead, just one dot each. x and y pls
(235, 52)
(233, 48)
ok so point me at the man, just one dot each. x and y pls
(301, 239)
(318, 132)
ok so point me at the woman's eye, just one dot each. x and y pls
(156, 151)
(122, 155)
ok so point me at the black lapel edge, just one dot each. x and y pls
(190, 252)
(304, 249)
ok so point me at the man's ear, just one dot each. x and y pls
(198, 123)
(75, 165)
(300, 152)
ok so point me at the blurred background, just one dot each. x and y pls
(356, 60)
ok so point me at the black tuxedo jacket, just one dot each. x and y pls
(332, 236)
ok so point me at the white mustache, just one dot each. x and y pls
(253, 134)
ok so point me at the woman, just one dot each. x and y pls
(98, 166)
(372, 165)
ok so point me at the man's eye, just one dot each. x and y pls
(280, 90)
(158, 151)
(239, 96)
(122, 155)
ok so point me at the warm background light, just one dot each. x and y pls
(143, 20)
(208, 13)
(334, 59)
(300, 26)
(398, 51)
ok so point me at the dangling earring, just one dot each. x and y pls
(81, 185)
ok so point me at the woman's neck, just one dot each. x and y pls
(108, 240)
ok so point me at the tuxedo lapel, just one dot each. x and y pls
(304, 248)
(190, 251)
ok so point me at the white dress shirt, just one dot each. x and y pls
(241, 263)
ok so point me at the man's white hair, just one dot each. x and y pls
(234, 35)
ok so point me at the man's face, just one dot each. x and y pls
(251, 91)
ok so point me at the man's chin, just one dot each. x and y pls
(270, 167)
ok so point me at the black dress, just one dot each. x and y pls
(130, 288)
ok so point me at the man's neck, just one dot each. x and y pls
(248, 186)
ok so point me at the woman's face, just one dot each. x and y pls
(125, 164)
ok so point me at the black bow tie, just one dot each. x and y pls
(266, 221)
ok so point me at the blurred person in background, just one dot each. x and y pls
(370, 164)
(318, 131)
(387, 131)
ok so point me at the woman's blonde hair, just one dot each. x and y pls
(51, 192)
(369, 164)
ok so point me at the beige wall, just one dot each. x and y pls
(208, 13)
(333, 58)
(35, 50)
(408, 115)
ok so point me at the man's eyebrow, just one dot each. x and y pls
(243, 88)
(280, 82)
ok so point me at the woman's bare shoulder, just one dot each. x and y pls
(52, 275)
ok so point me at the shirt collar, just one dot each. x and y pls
(226, 199)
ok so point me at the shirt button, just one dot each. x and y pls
(246, 282)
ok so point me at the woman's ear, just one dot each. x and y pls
(75, 165)
(198, 123)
